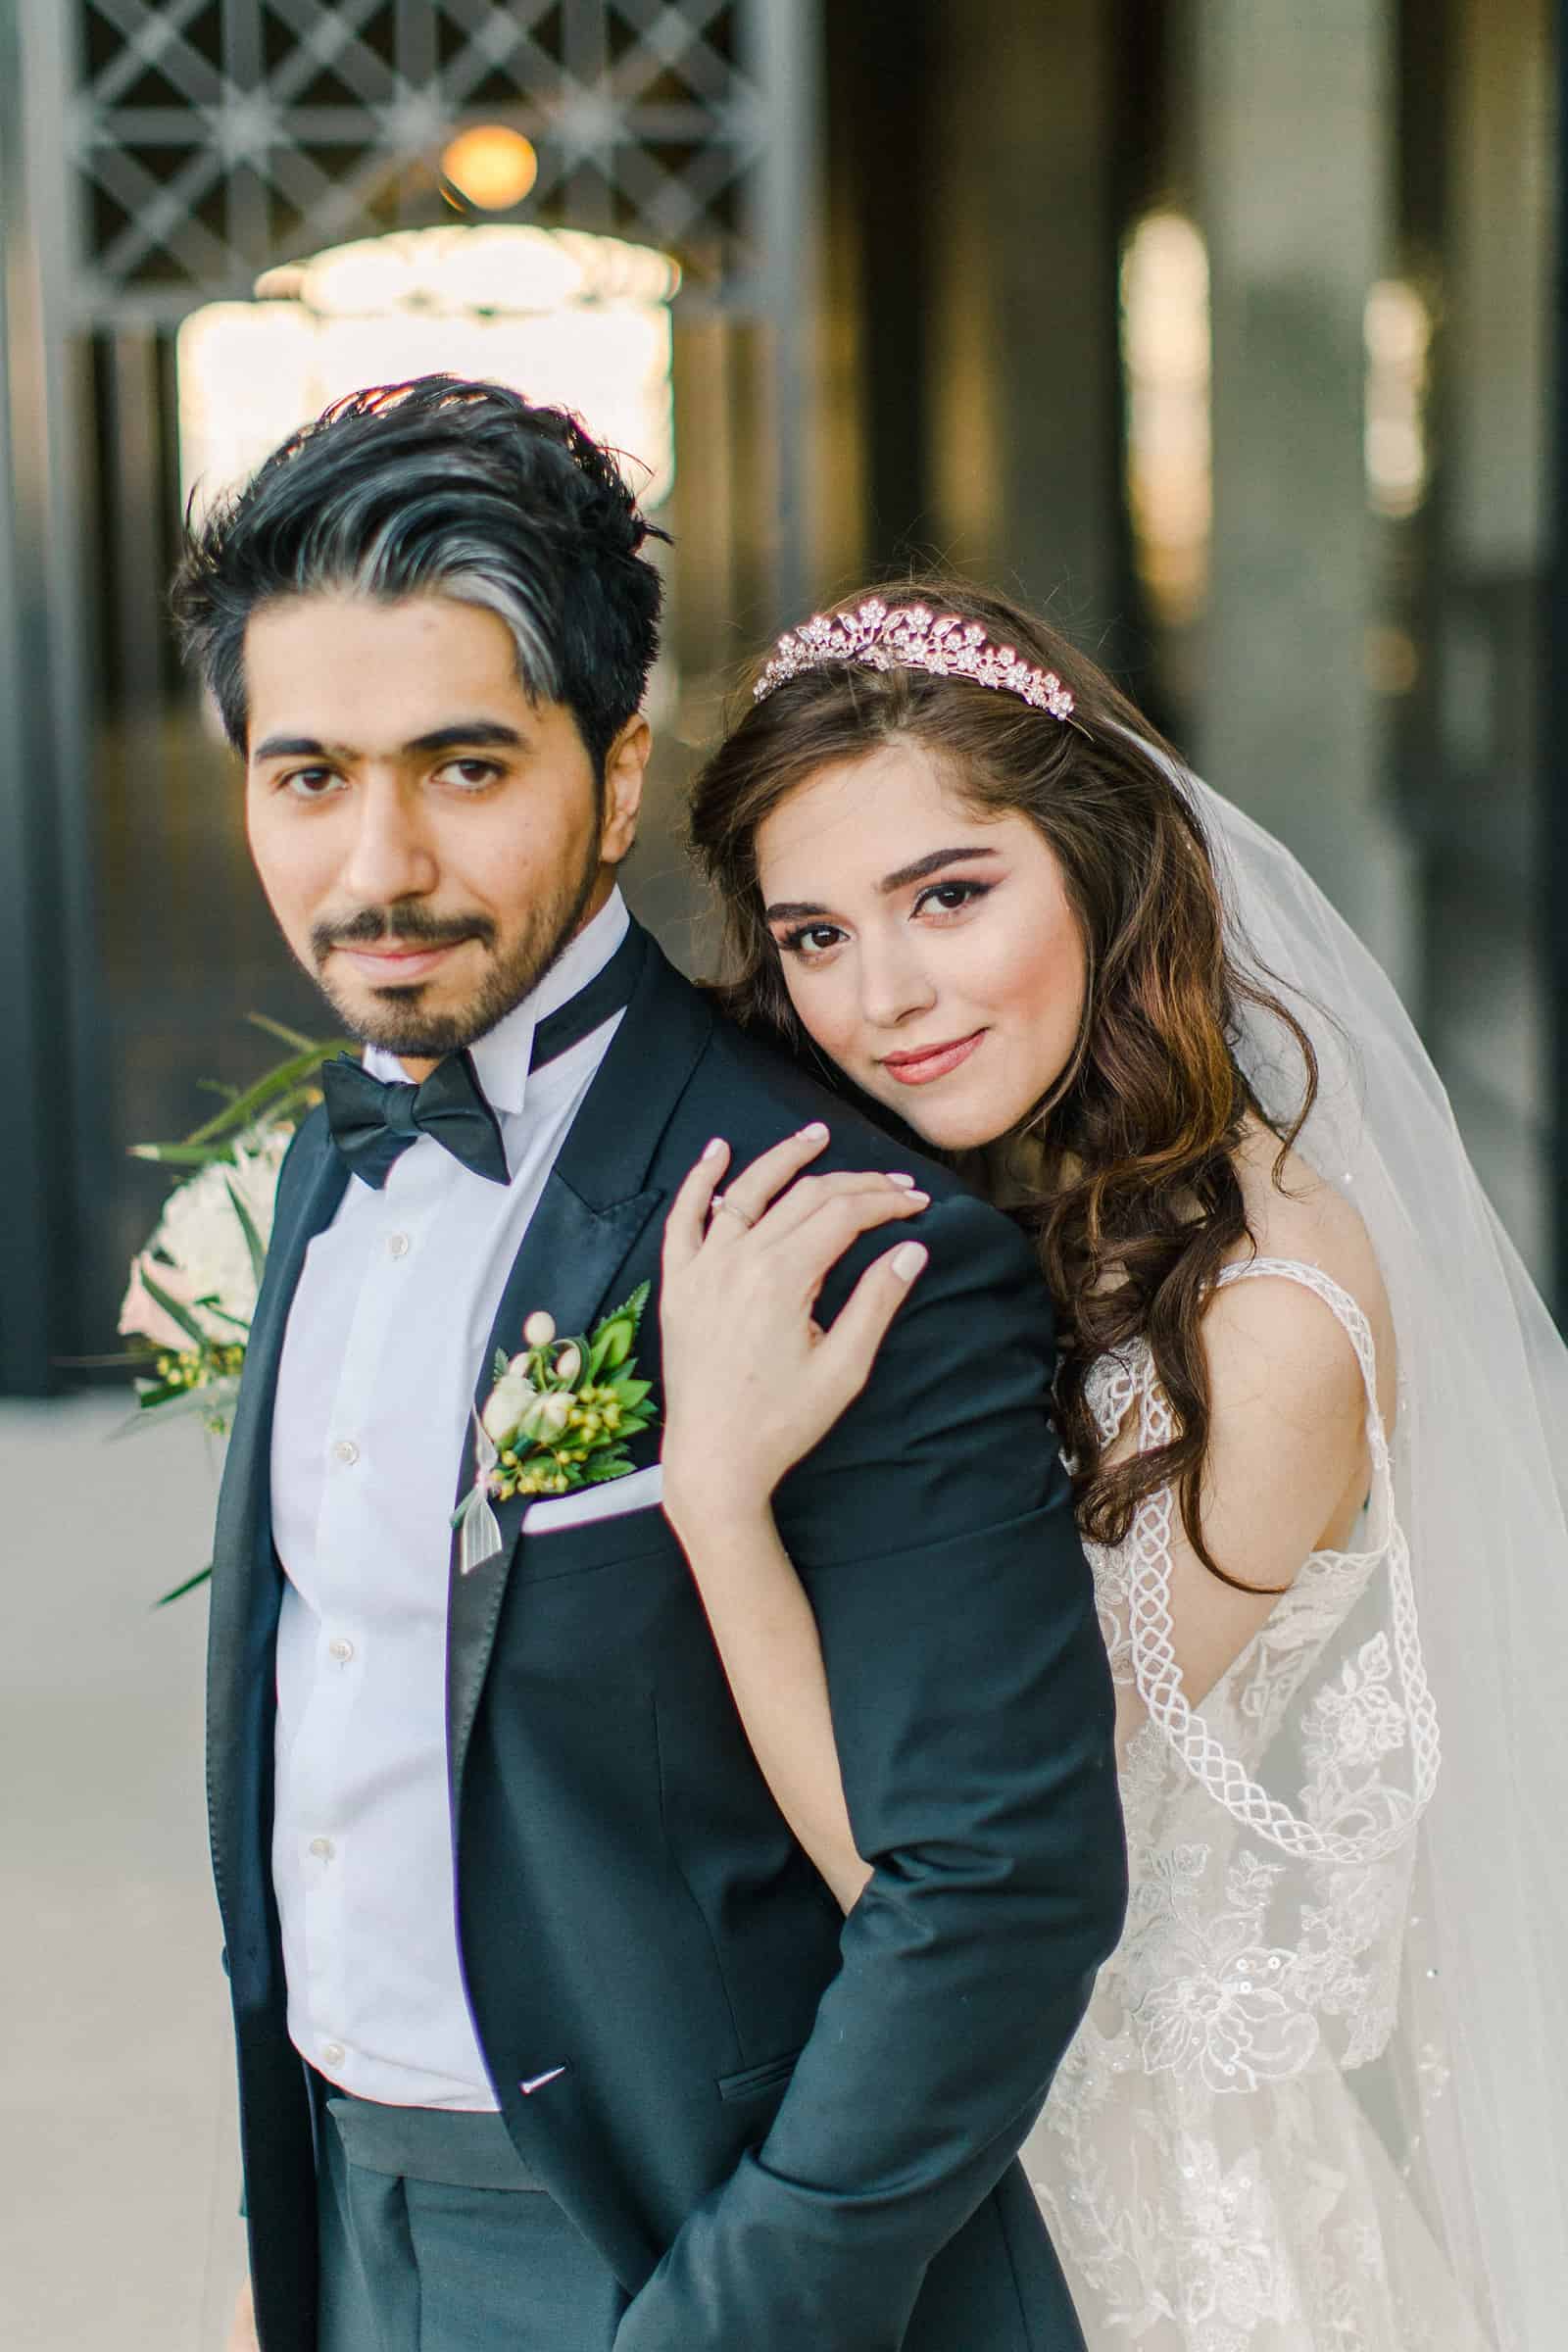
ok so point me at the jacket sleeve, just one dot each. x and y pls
(972, 1704)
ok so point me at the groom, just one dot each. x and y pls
(550, 2038)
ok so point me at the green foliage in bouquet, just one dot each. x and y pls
(193, 1287)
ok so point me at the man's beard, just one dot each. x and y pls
(394, 1021)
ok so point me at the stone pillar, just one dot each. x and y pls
(1493, 899)
(1022, 366)
(1295, 126)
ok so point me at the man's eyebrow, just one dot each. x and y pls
(483, 733)
(493, 733)
(795, 911)
(299, 747)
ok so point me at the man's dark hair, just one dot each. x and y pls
(439, 487)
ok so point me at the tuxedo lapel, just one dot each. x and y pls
(246, 1588)
(595, 1205)
(244, 1510)
(568, 1261)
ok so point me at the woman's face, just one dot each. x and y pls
(929, 948)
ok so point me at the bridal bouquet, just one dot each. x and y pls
(193, 1291)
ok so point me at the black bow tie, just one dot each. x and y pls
(375, 1120)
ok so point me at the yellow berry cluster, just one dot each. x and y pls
(194, 1367)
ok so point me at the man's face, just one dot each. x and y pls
(428, 838)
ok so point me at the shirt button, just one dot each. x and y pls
(332, 2053)
(397, 1245)
(340, 1649)
(346, 1450)
(323, 1847)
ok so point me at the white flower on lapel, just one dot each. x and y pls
(562, 1414)
(508, 1404)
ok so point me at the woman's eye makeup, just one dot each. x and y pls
(951, 898)
(809, 939)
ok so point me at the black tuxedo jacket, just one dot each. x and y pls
(780, 2128)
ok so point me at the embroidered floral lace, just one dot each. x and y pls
(1212, 2179)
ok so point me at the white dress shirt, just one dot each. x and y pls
(386, 1337)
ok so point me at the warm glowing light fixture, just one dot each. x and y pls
(1398, 326)
(577, 322)
(493, 167)
(1166, 362)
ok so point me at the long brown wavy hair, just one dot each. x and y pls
(1135, 1204)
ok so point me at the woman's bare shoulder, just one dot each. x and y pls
(1293, 1212)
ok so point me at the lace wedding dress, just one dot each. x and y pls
(1214, 2161)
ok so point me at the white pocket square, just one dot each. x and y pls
(639, 1490)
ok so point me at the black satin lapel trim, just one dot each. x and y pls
(595, 1205)
(246, 1590)
(569, 1260)
(244, 1502)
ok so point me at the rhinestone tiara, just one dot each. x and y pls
(911, 637)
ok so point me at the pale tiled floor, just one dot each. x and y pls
(118, 2177)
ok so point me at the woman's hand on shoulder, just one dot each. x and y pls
(751, 1382)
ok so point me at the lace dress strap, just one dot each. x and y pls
(1152, 1632)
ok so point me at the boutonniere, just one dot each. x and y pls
(560, 1415)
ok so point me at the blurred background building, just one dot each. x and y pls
(1225, 329)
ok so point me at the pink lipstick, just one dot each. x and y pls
(926, 1062)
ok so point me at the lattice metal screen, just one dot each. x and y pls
(162, 154)
(209, 138)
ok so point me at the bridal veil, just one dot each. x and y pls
(1470, 2090)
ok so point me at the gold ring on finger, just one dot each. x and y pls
(722, 1201)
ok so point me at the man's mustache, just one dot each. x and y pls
(414, 924)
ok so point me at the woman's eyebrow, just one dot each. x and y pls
(791, 910)
(931, 864)
(795, 911)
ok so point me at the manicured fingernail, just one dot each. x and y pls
(918, 1200)
(816, 1133)
(907, 1182)
(908, 1259)
(711, 1151)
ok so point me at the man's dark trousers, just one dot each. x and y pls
(435, 2239)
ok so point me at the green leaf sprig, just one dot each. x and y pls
(284, 1093)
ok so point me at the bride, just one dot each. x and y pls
(1317, 1421)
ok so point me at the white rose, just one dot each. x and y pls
(569, 1363)
(140, 1313)
(507, 1405)
(548, 1418)
(199, 1250)
(540, 1328)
